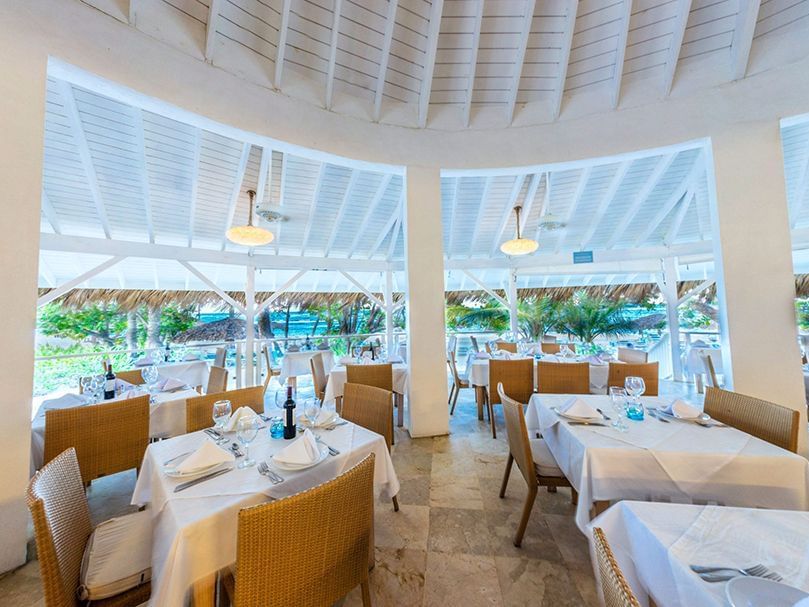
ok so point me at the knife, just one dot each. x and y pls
(201, 479)
(585, 424)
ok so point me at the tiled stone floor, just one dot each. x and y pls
(451, 542)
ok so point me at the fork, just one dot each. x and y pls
(332, 450)
(264, 470)
(710, 574)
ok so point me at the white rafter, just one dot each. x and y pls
(397, 228)
(429, 61)
(50, 212)
(137, 120)
(584, 177)
(660, 169)
(282, 44)
(66, 90)
(680, 22)
(237, 188)
(519, 59)
(519, 180)
(75, 282)
(530, 196)
(194, 184)
(133, 12)
(674, 228)
(564, 57)
(485, 194)
(620, 53)
(605, 203)
(473, 62)
(263, 173)
(378, 195)
(45, 270)
(335, 34)
(335, 230)
(280, 291)
(452, 213)
(389, 224)
(321, 173)
(282, 186)
(482, 284)
(213, 286)
(363, 290)
(390, 23)
(214, 9)
(546, 202)
(746, 20)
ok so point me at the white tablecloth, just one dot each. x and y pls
(337, 379)
(654, 545)
(675, 461)
(195, 530)
(192, 372)
(166, 418)
(693, 360)
(294, 364)
(479, 374)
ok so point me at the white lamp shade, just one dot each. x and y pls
(519, 246)
(249, 236)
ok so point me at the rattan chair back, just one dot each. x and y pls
(315, 542)
(379, 376)
(648, 371)
(369, 407)
(220, 356)
(517, 433)
(507, 346)
(563, 378)
(617, 592)
(132, 376)
(710, 372)
(108, 437)
(770, 422)
(517, 377)
(631, 355)
(453, 367)
(318, 375)
(551, 347)
(199, 409)
(217, 380)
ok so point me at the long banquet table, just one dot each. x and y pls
(676, 461)
(194, 532)
(655, 543)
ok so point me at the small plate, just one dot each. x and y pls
(171, 471)
(577, 418)
(758, 592)
(324, 453)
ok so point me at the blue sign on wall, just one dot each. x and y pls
(582, 257)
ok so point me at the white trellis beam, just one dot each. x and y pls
(390, 23)
(363, 290)
(369, 212)
(668, 289)
(321, 173)
(501, 300)
(674, 228)
(352, 182)
(452, 214)
(237, 188)
(389, 225)
(75, 282)
(564, 57)
(282, 44)
(210, 29)
(746, 20)
(278, 292)
(487, 186)
(213, 286)
(676, 43)
(516, 188)
(473, 62)
(512, 302)
(50, 213)
(605, 203)
(335, 35)
(389, 309)
(429, 61)
(696, 290)
(519, 59)
(620, 52)
(584, 179)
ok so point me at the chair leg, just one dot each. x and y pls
(454, 400)
(451, 392)
(574, 497)
(526, 514)
(395, 503)
(509, 463)
(491, 419)
(366, 594)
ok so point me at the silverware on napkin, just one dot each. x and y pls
(264, 470)
(332, 450)
(604, 415)
(201, 479)
(176, 457)
(653, 412)
(714, 574)
(585, 424)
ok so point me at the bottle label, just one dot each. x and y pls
(109, 386)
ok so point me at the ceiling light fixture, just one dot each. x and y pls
(249, 235)
(519, 245)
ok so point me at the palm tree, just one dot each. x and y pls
(535, 316)
(588, 317)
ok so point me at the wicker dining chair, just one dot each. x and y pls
(617, 592)
(332, 527)
(108, 437)
(219, 357)
(563, 378)
(648, 371)
(517, 377)
(319, 378)
(710, 371)
(132, 376)
(768, 421)
(506, 346)
(534, 460)
(551, 347)
(270, 372)
(217, 380)
(371, 408)
(199, 409)
(458, 382)
(632, 355)
(379, 376)
(62, 526)
(474, 341)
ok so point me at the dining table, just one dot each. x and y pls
(192, 372)
(195, 530)
(337, 379)
(672, 460)
(295, 364)
(656, 543)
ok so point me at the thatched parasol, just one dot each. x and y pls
(649, 322)
(227, 329)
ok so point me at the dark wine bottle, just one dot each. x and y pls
(109, 383)
(290, 429)
(168, 352)
(373, 353)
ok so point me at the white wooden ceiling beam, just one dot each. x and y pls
(313, 208)
(746, 20)
(335, 35)
(674, 228)
(564, 57)
(282, 189)
(530, 197)
(280, 291)
(45, 270)
(137, 120)
(192, 209)
(50, 213)
(335, 230)
(363, 290)
(390, 23)
(501, 300)
(282, 44)
(696, 290)
(263, 175)
(605, 203)
(237, 188)
(369, 212)
(133, 12)
(507, 212)
(214, 9)
(473, 63)
(680, 22)
(519, 59)
(75, 282)
(429, 61)
(213, 286)
(389, 225)
(584, 178)
(395, 235)
(476, 226)
(452, 215)
(620, 53)
(546, 203)
(77, 130)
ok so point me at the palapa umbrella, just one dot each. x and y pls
(649, 322)
(227, 329)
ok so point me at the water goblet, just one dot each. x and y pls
(618, 398)
(150, 375)
(358, 353)
(246, 432)
(221, 416)
(85, 385)
(281, 396)
(311, 410)
(635, 386)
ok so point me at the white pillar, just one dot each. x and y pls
(754, 274)
(512, 302)
(22, 122)
(428, 414)
(388, 297)
(250, 330)
(669, 290)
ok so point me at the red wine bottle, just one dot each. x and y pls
(290, 428)
(109, 383)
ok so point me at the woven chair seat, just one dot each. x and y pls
(544, 461)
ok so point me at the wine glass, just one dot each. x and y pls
(150, 375)
(221, 416)
(96, 386)
(635, 386)
(618, 397)
(311, 410)
(246, 432)
(358, 353)
(85, 385)
(281, 396)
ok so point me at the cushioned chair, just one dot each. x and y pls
(458, 382)
(379, 376)
(199, 410)
(517, 377)
(315, 544)
(371, 408)
(318, 376)
(563, 378)
(631, 355)
(648, 371)
(506, 346)
(62, 529)
(770, 422)
(553, 348)
(217, 380)
(534, 460)
(108, 438)
(617, 592)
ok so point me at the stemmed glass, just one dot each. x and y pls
(281, 396)
(311, 409)
(635, 386)
(221, 416)
(96, 387)
(618, 397)
(246, 432)
(85, 382)
(150, 375)
(358, 353)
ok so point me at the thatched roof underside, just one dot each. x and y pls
(226, 329)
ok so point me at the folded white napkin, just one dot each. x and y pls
(482, 355)
(680, 408)
(302, 451)
(326, 417)
(171, 384)
(122, 384)
(578, 408)
(236, 416)
(65, 402)
(207, 455)
(144, 362)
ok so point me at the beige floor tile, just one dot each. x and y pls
(407, 528)
(458, 531)
(535, 583)
(461, 579)
(397, 580)
(455, 492)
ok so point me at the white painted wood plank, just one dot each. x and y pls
(335, 34)
(429, 61)
(473, 61)
(519, 59)
(620, 53)
(390, 23)
(746, 21)
(673, 55)
(564, 58)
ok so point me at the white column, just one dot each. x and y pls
(388, 296)
(250, 329)
(512, 301)
(669, 291)
(754, 274)
(428, 414)
(22, 121)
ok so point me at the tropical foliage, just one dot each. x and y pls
(535, 317)
(588, 317)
